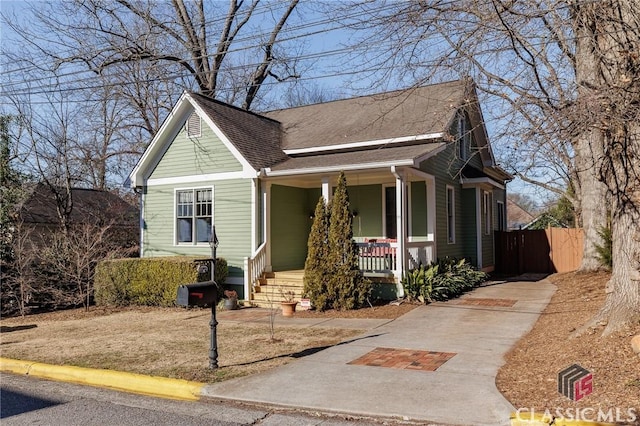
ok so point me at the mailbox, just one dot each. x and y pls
(198, 294)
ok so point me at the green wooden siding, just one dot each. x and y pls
(232, 217)
(290, 226)
(367, 201)
(195, 156)
(442, 167)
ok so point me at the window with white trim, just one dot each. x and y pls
(194, 215)
(194, 126)
(486, 212)
(451, 215)
(464, 136)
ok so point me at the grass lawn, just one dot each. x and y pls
(169, 342)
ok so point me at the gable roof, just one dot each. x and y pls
(517, 217)
(420, 111)
(362, 131)
(89, 206)
(257, 138)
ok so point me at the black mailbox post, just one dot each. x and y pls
(203, 294)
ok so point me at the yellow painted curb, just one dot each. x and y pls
(129, 382)
(537, 419)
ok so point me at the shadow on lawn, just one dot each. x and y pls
(304, 352)
(9, 329)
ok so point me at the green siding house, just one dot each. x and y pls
(422, 180)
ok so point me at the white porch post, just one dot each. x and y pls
(326, 189)
(255, 218)
(401, 232)
(266, 225)
(431, 216)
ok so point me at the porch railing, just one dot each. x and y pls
(377, 257)
(254, 266)
(419, 252)
(381, 257)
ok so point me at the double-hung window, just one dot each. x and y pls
(194, 215)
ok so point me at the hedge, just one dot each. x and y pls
(149, 281)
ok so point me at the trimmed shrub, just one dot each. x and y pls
(347, 288)
(442, 280)
(149, 281)
(315, 266)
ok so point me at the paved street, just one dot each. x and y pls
(28, 400)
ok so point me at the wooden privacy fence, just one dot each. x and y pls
(547, 251)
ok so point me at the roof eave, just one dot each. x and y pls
(364, 144)
(335, 169)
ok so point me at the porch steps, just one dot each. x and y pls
(268, 291)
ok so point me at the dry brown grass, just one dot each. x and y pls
(170, 342)
(529, 378)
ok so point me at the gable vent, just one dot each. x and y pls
(193, 125)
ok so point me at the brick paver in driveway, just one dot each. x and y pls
(403, 358)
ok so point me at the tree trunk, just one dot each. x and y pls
(622, 305)
(612, 105)
(589, 150)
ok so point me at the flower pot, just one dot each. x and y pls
(230, 304)
(288, 308)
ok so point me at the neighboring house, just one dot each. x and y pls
(517, 217)
(39, 212)
(422, 181)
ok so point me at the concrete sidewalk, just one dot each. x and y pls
(438, 363)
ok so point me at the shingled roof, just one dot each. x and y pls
(361, 130)
(403, 113)
(256, 137)
(89, 206)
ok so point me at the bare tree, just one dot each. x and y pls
(197, 39)
(522, 57)
(564, 76)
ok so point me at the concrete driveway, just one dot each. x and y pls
(437, 363)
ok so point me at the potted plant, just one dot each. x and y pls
(230, 300)
(288, 303)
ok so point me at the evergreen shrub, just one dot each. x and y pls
(149, 281)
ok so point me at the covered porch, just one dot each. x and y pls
(394, 221)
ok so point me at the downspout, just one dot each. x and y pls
(401, 229)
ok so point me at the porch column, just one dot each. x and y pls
(479, 227)
(255, 218)
(326, 189)
(266, 225)
(401, 232)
